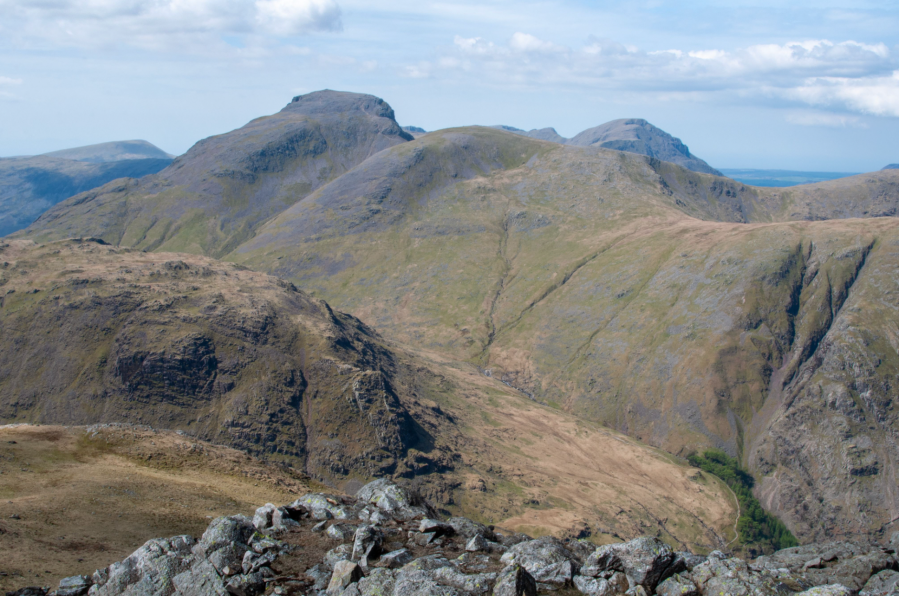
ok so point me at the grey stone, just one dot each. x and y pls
(418, 582)
(345, 573)
(677, 585)
(556, 576)
(395, 559)
(637, 591)
(884, 583)
(831, 590)
(246, 585)
(646, 560)
(341, 553)
(850, 564)
(378, 582)
(320, 575)
(262, 519)
(321, 506)
(468, 529)
(367, 543)
(75, 585)
(342, 532)
(477, 543)
(200, 580)
(228, 560)
(719, 575)
(515, 580)
(253, 561)
(320, 526)
(149, 571)
(476, 583)
(536, 555)
(436, 527)
(614, 585)
(236, 529)
(393, 499)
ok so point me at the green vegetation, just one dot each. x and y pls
(758, 529)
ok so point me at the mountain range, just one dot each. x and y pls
(31, 185)
(580, 283)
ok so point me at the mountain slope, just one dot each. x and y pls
(624, 289)
(31, 185)
(636, 135)
(112, 151)
(213, 197)
(94, 333)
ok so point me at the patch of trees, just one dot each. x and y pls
(758, 529)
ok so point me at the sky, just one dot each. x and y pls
(745, 84)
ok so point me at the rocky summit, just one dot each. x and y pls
(387, 540)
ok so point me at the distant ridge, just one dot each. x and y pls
(892, 166)
(112, 151)
(633, 135)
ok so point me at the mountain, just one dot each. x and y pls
(685, 309)
(213, 197)
(543, 134)
(636, 135)
(892, 166)
(113, 151)
(101, 334)
(31, 185)
(415, 131)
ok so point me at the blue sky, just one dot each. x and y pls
(801, 85)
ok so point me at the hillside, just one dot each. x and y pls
(684, 309)
(79, 498)
(99, 334)
(214, 197)
(31, 185)
(112, 151)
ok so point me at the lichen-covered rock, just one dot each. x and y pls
(646, 561)
(537, 554)
(342, 532)
(395, 559)
(515, 580)
(478, 583)
(321, 506)
(677, 585)
(76, 585)
(831, 590)
(251, 584)
(200, 580)
(556, 576)
(367, 543)
(850, 564)
(345, 573)
(414, 582)
(885, 583)
(614, 585)
(378, 582)
(468, 529)
(341, 553)
(393, 499)
(148, 571)
(225, 531)
(720, 575)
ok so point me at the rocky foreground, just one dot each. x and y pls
(389, 541)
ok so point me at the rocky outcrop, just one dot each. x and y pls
(268, 554)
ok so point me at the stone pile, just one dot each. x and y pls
(386, 542)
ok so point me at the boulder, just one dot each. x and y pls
(646, 561)
(850, 564)
(436, 527)
(321, 506)
(224, 531)
(515, 580)
(677, 585)
(262, 519)
(722, 575)
(468, 529)
(320, 575)
(885, 583)
(76, 585)
(614, 585)
(477, 583)
(477, 543)
(367, 543)
(395, 559)
(399, 502)
(148, 571)
(342, 532)
(345, 573)
(556, 576)
(831, 590)
(550, 564)
(341, 553)
(379, 582)
(200, 580)
(251, 584)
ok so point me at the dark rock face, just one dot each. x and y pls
(243, 558)
(636, 135)
(265, 367)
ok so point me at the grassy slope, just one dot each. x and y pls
(125, 335)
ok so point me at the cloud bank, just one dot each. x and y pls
(158, 24)
(848, 75)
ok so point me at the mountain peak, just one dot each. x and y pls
(330, 102)
(892, 166)
(112, 151)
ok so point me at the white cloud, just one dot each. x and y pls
(10, 81)
(827, 119)
(160, 24)
(847, 75)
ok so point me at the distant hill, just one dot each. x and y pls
(783, 178)
(633, 135)
(636, 135)
(112, 151)
(31, 185)
(415, 131)
(892, 166)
